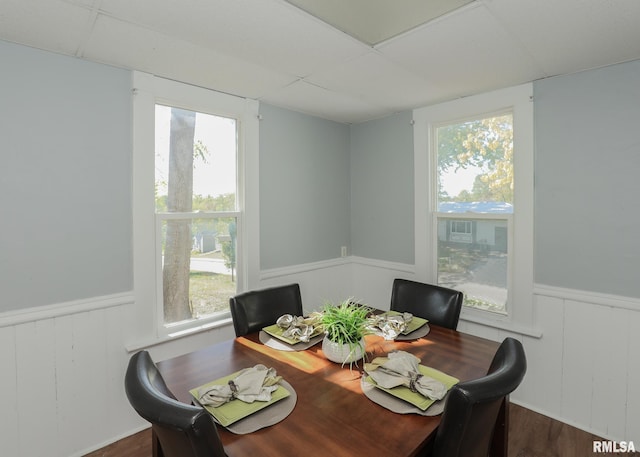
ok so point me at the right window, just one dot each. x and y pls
(473, 162)
(475, 183)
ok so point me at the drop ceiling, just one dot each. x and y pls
(344, 60)
(374, 21)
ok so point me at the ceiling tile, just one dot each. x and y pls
(122, 44)
(270, 33)
(89, 4)
(374, 21)
(39, 23)
(317, 101)
(464, 53)
(571, 35)
(368, 78)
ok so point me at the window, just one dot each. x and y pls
(195, 208)
(474, 176)
(474, 203)
(197, 213)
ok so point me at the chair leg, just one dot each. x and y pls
(155, 445)
(500, 441)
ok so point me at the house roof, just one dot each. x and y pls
(476, 207)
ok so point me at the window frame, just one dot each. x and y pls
(148, 91)
(519, 101)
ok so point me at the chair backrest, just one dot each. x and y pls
(472, 407)
(440, 305)
(256, 309)
(182, 430)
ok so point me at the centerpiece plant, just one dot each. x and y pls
(345, 325)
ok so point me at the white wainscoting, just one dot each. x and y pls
(61, 383)
(320, 282)
(373, 280)
(584, 370)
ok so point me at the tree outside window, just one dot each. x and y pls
(196, 211)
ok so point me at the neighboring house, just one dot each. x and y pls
(204, 241)
(490, 234)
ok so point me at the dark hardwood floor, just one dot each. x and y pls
(530, 435)
(534, 435)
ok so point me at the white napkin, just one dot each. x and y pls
(252, 384)
(297, 327)
(389, 326)
(401, 369)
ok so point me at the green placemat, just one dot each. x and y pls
(419, 401)
(235, 410)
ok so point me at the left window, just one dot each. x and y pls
(197, 214)
(190, 204)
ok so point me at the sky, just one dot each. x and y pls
(453, 182)
(218, 134)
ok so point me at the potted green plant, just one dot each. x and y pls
(345, 326)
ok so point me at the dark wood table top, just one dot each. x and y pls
(332, 416)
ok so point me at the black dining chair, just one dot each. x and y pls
(472, 408)
(440, 305)
(253, 310)
(181, 430)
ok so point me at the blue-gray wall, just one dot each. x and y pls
(65, 179)
(587, 180)
(304, 188)
(382, 222)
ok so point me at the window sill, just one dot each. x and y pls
(503, 325)
(178, 334)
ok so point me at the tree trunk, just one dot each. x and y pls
(177, 252)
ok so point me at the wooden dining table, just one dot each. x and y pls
(332, 416)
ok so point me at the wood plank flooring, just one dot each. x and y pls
(534, 435)
(530, 435)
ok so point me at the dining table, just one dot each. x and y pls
(332, 416)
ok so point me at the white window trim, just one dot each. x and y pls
(519, 100)
(148, 91)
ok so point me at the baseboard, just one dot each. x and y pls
(570, 423)
(111, 441)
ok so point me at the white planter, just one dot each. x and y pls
(342, 353)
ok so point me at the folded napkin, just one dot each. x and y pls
(252, 384)
(389, 326)
(297, 327)
(401, 369)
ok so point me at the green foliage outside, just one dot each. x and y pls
(483, 143)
